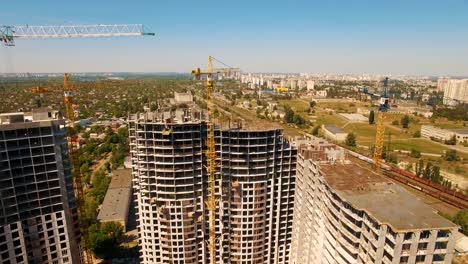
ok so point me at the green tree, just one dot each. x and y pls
(415, 153)
(427, 171)
(461, 219)
(392, 158)
(451, 155)
(371, 117)
(435, 175)
(417, 134)
(350, 140)
(419, 168)
(312, 104)
(316, 130)
(405, 121)
(451, 141)
(288, 115)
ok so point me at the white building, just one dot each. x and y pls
(38, 211)
(293, 84)
(321, 94)
(461, 134)
(310, 85)
(436, 133)
(456, 92)
(344, 213)
(254, 192)
(334, 133)
(183, 97)
(441, 83)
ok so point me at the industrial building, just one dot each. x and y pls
(436, 133)
(38, 211)
(334, 133)
(254, 190)
(116, 204)
(344, 213)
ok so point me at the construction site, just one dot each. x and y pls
(206, 183)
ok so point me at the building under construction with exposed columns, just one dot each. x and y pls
(254, 190)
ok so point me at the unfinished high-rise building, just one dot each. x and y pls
(38, 221)
(254, 191)
(344, 213)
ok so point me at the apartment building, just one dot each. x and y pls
(347, 214)
(255, 191)
(455, 92)
(38, 219)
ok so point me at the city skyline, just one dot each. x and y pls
(420, 38)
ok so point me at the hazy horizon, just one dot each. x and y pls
(422, 38)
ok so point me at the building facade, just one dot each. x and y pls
(433, 132)
(455, 92)
(334, 133)
(347, 214)
(255, 191)
(38, 219)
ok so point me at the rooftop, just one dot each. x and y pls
(40, 114)
(384, 200)
(334, 129)
(117, 200)
(116, 205)
(121, 178)
(463, 131)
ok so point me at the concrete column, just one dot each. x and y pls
(397, 249)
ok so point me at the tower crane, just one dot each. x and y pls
(39, 93)
(210, 155)
(384, 106)
(211, 148)
(8, 34)
(74, 158)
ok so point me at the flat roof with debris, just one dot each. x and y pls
(116, 203)
(384, 200)
(115, 206)
(121, 178)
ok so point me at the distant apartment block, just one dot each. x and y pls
(38, 219)
(455, 92)
(310, 85)
(255, 191)
(441, 83)
(344, 213)
(334, 133)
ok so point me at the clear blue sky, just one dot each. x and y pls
(388, 37)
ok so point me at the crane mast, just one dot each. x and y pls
(75, 169)
(380, 127)
(210, 156)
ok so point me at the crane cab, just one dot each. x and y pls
(384, 104)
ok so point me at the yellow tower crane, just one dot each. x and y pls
(210, 156)
(210, 145)
(76, 173)
(384, 106)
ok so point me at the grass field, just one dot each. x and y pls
(298, 105)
